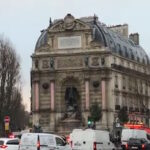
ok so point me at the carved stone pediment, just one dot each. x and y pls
(69, 23)
(95, 44)
(79, 25)
(59, 26)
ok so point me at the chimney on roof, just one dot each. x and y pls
(134, 37)
(121, 29)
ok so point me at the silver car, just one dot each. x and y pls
(9, 143)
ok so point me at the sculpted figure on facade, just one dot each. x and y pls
(36, 64)
(52, 63)
(95, 61)
(71, 98)
(69, 22)
(86, 61)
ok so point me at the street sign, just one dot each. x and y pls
(7, 119)
(6, 126)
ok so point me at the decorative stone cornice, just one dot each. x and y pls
(130, 71)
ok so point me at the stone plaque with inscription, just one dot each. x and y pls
(69, 42)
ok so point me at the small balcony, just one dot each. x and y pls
(136, 109)
(142, 110)
(125, 108)
(116, 85)
(117, 107)
(131, 109)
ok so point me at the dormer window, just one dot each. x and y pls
(132, 55)
(126, 53)
(143, 61)
(118, 47)
(138, 59)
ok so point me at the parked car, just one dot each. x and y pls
(90, 139)
(132, 133)
(9, 143)
(42, 141)
(134, 143)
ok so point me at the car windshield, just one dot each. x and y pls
(1, 142)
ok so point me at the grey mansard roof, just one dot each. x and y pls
(117, 43)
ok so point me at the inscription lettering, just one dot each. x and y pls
(69, 42)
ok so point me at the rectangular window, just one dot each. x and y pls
(116, 81)
(123, 83)
(117, 103)
(130, 83)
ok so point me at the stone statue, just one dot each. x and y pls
(52, 62)
(72, 109)
(102, 61)
(86, 61)
(36, 64)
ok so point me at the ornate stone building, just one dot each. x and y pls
(79, 62)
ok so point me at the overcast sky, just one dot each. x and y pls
(22, 20)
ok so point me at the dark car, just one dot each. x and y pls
(137, 144)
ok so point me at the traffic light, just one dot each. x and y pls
(90, 122)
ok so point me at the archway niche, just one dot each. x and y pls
(70, 98)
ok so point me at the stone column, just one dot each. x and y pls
(87, 96)
(36, 95)
(104, 109)
(103, 94)
(52, 93)
(52, 106)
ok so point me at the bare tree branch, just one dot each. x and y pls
(10, 96)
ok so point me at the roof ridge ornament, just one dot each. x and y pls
(69, 22)
(95, 19)
(50, 22)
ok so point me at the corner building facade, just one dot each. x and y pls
(79, 62)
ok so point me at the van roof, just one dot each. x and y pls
(39, 134)
(94, 134)
(132, 133)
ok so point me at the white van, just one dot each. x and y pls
(90, 140)
(132, 133)
(42, 141)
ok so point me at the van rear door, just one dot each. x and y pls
(77, 140)
(28, 142)
(47, 142)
